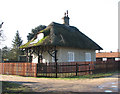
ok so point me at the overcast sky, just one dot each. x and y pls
(98, 19)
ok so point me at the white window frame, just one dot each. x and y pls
(88, 57)
(71, 57)
(104, 59)
(117, 59)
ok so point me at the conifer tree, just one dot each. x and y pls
(17, 42)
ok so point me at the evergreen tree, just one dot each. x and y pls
(17, 42)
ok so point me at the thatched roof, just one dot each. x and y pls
(63, 35)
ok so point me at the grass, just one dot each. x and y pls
(100, 75)
(9, 87)
(90, 76)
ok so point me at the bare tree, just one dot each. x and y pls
(1, 39)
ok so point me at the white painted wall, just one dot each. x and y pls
(79, 54)
(62, 55)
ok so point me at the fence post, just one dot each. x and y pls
(56, 69)
(114, 67)
(76, 69)
(37, 69)
(106, 67)
(55, 56)
(46, 68)
(89, 68)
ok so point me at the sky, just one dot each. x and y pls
(98, 19)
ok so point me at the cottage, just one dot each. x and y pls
(108, 56)
(61, 43)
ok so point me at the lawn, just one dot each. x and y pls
(9, 87)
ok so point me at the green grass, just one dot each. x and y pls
(90, 76)
(72, 77)
(9, 87)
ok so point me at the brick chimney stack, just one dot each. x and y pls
(66, 19)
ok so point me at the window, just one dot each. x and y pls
(117, 59)
(104, 59)
(87, 56)
(70, 56)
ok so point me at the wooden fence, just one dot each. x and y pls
(69, 69)
(109, 66)
(23, 69)
(63, 69)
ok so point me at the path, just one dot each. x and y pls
(58, 85)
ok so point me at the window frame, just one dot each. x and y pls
(117, 59)
(71, 57)
(104, 59)
(88, 57)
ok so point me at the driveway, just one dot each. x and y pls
(108, 84)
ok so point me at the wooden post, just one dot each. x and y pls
(37, 66)
(27, 55)
(76, 69)
(30, 57)
(89, 68)
(114, 66)
(46, 69)
(56, 67)
(38, 56)
(106, 67)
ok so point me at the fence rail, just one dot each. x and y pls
(61, 69)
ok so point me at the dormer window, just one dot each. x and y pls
(39, 37)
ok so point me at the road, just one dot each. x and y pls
(107, 84)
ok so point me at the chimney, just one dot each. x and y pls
(66, 19)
